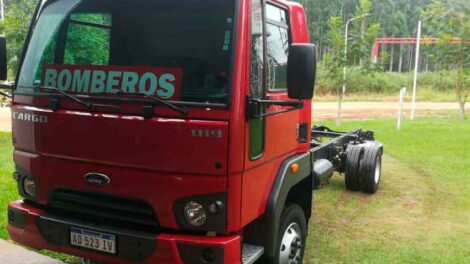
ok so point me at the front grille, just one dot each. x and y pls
(104, 209)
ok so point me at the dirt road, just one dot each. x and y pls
(366, 110)
(328, 110)
(13, 254)
(5, 120)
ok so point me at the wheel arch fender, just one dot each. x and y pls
(265, 230)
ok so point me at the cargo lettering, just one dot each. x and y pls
(29, 117)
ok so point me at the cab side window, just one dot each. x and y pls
(257, 49)
(277, 34)
(257, 125)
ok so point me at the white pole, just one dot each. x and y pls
(415, 81)
(400, 107)
(343, 92)
(345, 56)
(346, 31)
(2, 10)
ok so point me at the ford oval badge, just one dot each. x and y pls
(97, 179)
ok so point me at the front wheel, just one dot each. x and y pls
(292, 236)
(87, 261)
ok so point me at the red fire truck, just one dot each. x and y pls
(163, 131)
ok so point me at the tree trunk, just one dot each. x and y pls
(461, 98)
(410, 60)
(320, 44)
(400, 62)
(340, 102)
(319, 54)
(363, 28)
(462, 107)
(391, 59)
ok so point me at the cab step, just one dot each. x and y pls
(251, 253)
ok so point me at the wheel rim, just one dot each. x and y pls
(378, 165)
(291, 245)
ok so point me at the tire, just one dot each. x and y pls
(370, 167)
(292, 236)
(87, 261)
(353, 160)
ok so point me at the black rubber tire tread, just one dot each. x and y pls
(87, 261)
(351, 175)
(292, 212)
(372, 152)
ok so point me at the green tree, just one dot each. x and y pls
(88, 44)
(15, 27)
(335, 60)
(450, 20)
(362, 37)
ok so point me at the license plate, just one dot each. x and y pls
(93, 240)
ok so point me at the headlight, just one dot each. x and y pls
(194, 213)
(30, 187)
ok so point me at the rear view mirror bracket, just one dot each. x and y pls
(3, 59)
(8, 86)
(254, 105)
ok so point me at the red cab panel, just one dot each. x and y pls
(160, 144)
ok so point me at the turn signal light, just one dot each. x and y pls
(294, 168)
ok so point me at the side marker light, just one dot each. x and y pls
(294, 168)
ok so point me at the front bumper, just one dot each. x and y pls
(32, 227)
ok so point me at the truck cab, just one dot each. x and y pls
(162, 131)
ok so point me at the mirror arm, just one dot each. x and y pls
(254, 107)
(7, 85)
(6, 95)
(278, 112)
(298, 104)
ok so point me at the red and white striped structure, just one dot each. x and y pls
(394, 41)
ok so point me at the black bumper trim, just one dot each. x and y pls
(16, 218)
(130, 245)
(192, 254)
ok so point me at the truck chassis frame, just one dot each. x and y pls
(334, 150)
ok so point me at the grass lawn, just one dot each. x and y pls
(8, 190)
(421, 213)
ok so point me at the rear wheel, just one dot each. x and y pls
(292, 236)
(353, 159)
(371, 167)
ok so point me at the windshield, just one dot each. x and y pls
(174, 50)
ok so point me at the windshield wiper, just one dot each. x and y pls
(6, 95)
(149, 112)
(87, 105)
(91, 106)
(181, 110)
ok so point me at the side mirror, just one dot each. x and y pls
(3, 59)
(301, 71)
